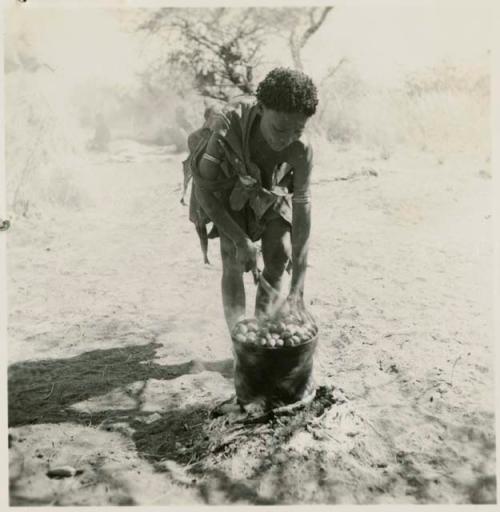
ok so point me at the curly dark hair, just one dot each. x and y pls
(288, 90)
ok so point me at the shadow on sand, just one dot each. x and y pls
(43, 392)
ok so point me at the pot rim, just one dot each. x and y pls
(256, 348)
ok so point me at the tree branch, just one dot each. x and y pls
(333, 70)
(295, 50)
(314, 25)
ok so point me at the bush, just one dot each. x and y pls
(42, 141)
(443, 109)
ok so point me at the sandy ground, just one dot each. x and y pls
(118, 352)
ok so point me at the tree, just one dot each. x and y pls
(220, 48)
(303, 24)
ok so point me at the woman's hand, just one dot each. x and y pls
(295, 307)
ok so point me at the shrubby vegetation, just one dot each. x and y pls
(42, 138)
(441, 109)
(217, 57)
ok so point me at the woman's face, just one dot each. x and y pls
(280, 129)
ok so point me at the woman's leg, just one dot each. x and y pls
(276, 252)
(233, 288)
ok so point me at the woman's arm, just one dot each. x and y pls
(301, 216)
(209, 168)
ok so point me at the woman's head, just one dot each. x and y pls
(288, 90)
(287, 99)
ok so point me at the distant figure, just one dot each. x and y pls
(178, 132)
(102, 135)
(181, 121)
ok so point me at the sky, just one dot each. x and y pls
(387, 39)
(81, 44)
(382, 38)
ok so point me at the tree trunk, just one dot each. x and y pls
(295, 51)
(297, 42)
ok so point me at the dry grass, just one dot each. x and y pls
(442, 110)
